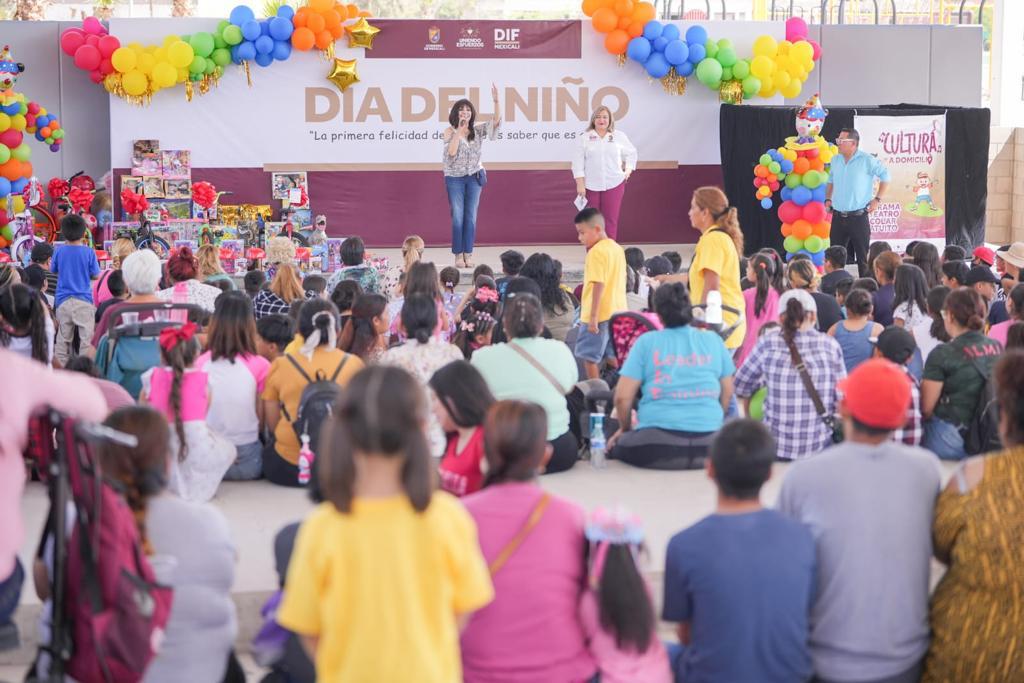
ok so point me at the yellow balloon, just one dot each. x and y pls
(180, 54)
(784, 47)
(5, 122)
(160, 54)
(767, 84)
(791, 65)
(782, 79)
(3, 204)
(134, 83)
(803, 51)
(826, 157)
(123, 59)
(146, 63)
(182, 75)
(171, 40)
(791, 90)
(766, 45)
(164, 75)
(18, 122)
(767, 92)
(19, 203)
(762, 67)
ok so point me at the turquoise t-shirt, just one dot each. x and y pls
(680, 371)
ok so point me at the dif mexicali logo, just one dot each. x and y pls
(506, 39)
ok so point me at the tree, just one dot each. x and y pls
(31, 10)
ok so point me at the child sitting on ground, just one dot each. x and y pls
(856, 332)
(449, 281)
(478, 322)
(273, 334)
(462, 401)
(199, 457)
(76, 267)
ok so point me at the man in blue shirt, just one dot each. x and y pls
(850, 196)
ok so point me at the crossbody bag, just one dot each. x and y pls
(834, 425)
(513, 545)
(562, 391)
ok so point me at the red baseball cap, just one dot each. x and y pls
(877, 394)
(985, 254)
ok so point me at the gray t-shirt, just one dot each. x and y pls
(870, 510)
(194, 554)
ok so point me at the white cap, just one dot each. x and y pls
(801, 295)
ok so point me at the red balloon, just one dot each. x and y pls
(96, 77)
(817, 49)
(107, 45)
(774, 185)
(758, 182)
(106, 68)
(92, 40)
(71, 40)
(811, 153)
(33, 107)
(814, 212)
(88, 58)
(789, 212)
(11, 138)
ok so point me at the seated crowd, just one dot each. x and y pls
(421, 420)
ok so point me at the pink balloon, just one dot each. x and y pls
(88, 58)
(107, 45)
(96, 77)
(71, 40)
(33, 107)
(92, 26)
(106, 68)
(789, 212)
(11, 138)
(92, 40)
(817, 49)
(796, 29)
(814, 212)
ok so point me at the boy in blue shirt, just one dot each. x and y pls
(76, 267)
(739, 583)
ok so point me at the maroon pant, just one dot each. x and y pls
(608, 202)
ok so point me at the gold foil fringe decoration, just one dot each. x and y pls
(731, 92)
(620, 60)
(329, 52)
(673, 83)
(248, 73)
(189, 90)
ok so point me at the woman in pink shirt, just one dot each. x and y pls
(534, 545)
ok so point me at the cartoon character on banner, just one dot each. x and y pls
(923, 193)
(18, 116)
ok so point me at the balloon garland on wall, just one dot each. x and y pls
(135, 72)
(775, 67)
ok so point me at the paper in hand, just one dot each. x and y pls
(580, 202)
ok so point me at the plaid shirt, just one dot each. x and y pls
(913, 431)
(788, 410)
(267, 303)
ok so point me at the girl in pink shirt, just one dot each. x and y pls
(762, 300)
(182, 394)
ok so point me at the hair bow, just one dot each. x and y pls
(172, 336)
(486, 294)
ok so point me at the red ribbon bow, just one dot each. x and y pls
(172, 336)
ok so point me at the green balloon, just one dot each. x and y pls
(232, 35)
(741, 69)
(711, 48)
(727, 56)
(813, 244)
(186, 37)
(210, 66)
(774, 167)
(792, 244)
(195, 77)
(221, 56)
(709, 72)
(221, 25)
(765, 160)
(756, 410)
(49, 140)
(826, 243)
(751, 85)
(218, 41)
(724, 43)
(58, 135)
(202, 44)
(792, 179)
(23, 109)
(726, 73)
(5, 153)
(198, 65)
(811, 179)
(22, 152)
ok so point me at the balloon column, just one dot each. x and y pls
(19, 116)
(135, 72)
(800, 169)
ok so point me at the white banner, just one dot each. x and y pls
(913, 148)
(394, 116)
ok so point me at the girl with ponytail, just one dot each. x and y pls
(761, 301)
(25, 323)
(182, 394)
(366, 331)
(395, 563)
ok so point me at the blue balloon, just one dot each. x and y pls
(19, 185)
(676, 52)
(697, 52)
(766, 203)
(280, 29)
(285, 12)
(39, 136)
(5, 187)
(246, 51)
(818, 194)
(670, 32)
(801, 195)
(264, 59)
(251, 30)
(265, 27)
(652, 29)
(787, 166)
(786, 194)
(656, 65)
(684, 69)
(264, 45)
(696, 34)
(240, 15)
(659, 44)
(818, 258)
(282, 50)
(639, 49)
(234, 55)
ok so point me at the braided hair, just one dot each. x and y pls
(179, 358)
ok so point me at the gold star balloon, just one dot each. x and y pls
(343, 73)
(361, 34)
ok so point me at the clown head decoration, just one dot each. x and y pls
(810, 119)
(9, 69)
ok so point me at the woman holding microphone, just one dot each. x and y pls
(603, 162)
(464, 175)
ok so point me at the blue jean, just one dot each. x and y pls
(248, 463)
(943, 439)
(464, 199)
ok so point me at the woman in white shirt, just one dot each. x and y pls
(603, 161)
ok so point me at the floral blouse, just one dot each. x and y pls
(467, 158)
(366, 275)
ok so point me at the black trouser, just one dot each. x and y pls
(564, 453)
(662, 449)
(853, 233)
(277, 470)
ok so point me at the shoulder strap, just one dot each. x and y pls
(539, 368)
(295, 363)
(337, 370)
(510, 548)
(805, 377)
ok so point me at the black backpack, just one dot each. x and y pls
(981, 434)
(316, 403)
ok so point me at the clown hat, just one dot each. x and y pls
(813, 110)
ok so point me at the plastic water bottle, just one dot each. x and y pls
(713, 310)
(597, 441)
(305, 461)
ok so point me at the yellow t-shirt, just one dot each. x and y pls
(382, 588)
(295, 345)
(605, 262)
(716, 252)
(285, 385)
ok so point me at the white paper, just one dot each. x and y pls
(295, 196)
(580, 202)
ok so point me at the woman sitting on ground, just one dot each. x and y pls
(856, 332)
(211, 271)
(141, 272)
(803, 275)
(344, 297)
(422, 278)
(285, 289)
(353, 267)
(365, 333)
(530, 368)
(559, 305)
(685, 375)
(183, 269)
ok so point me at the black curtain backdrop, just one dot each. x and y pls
(748, 131)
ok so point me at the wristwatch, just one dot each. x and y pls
(877, 198)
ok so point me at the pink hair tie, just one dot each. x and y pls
(486, 294)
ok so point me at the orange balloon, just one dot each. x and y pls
(316, 23)
(332, 18)
(761, 171)
(644, 12)
(303, 38)
(353, 11)
(817, 164)
(605, 20)
(822, 229)
(320, 6)
(801, 229)
(590, 6)
(801, 166)
(636, 29)
(771, 178)
(54, 125)
(624, 8)
(337, 31)
(624, 23)
(301, 15)
(45, 132)
(787, 229)
(365, 13)
(323, 39)
(616, 42)
(11, 170)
